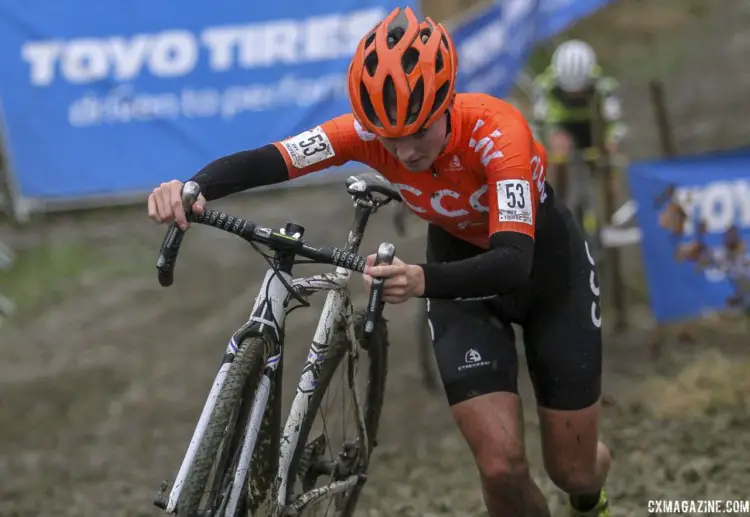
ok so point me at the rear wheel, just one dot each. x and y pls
(323, 455)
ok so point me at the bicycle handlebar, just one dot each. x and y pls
(252, 232)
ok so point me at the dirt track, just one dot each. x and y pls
(99, 395)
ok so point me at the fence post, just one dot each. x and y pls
(663, 124)
(604, 176)
(668, 149)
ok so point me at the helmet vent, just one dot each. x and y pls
(397, 27)
(369, 40)
(439, 63)
(368, 107)
(371, 63)
(409, 60)
(390, 99)
(394, 36)
(440, 96)
(415, 101)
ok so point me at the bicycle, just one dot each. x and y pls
(239, 458)
(577, 189)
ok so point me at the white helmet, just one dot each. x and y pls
(573, 63)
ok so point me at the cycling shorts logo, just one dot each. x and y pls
(473, 359)
(596, 316)
(472, 356)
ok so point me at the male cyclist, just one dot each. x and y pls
(500, 249)
(562, 100)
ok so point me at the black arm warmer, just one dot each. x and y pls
(241, 171)
(505, 266)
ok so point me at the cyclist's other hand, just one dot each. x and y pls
(402, 281)
(165, 204)
(560, 143)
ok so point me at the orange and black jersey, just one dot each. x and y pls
(489, 177)
(486, 186)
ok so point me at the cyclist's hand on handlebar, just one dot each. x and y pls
(402, 281)
(165, 204)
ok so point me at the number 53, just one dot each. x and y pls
(515, 195)
(307, 150)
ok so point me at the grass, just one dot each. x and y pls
(43, 274)
(40, 273)
(708, 382)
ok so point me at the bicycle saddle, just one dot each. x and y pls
(369, 182)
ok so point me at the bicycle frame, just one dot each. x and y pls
(268, 318)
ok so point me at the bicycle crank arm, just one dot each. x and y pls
(308, 499)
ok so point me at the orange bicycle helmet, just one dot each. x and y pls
(403, 75)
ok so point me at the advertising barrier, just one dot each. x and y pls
(694, 214)
(105, 100)
(108, 97)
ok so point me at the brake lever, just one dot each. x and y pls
(385, 255)
(170, 246)
(190, 192)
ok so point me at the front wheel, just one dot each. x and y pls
(326, 455)
(209, 479)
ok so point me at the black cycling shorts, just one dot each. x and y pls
(580, 132)
(558, 311)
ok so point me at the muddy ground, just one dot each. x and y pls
(101, 384)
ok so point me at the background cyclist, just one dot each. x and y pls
(562, 117)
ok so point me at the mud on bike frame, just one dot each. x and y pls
(287, 244)
(271, 306)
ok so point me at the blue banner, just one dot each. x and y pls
(106, 97)
(694, 213)
(557, 15)
(494, 44)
